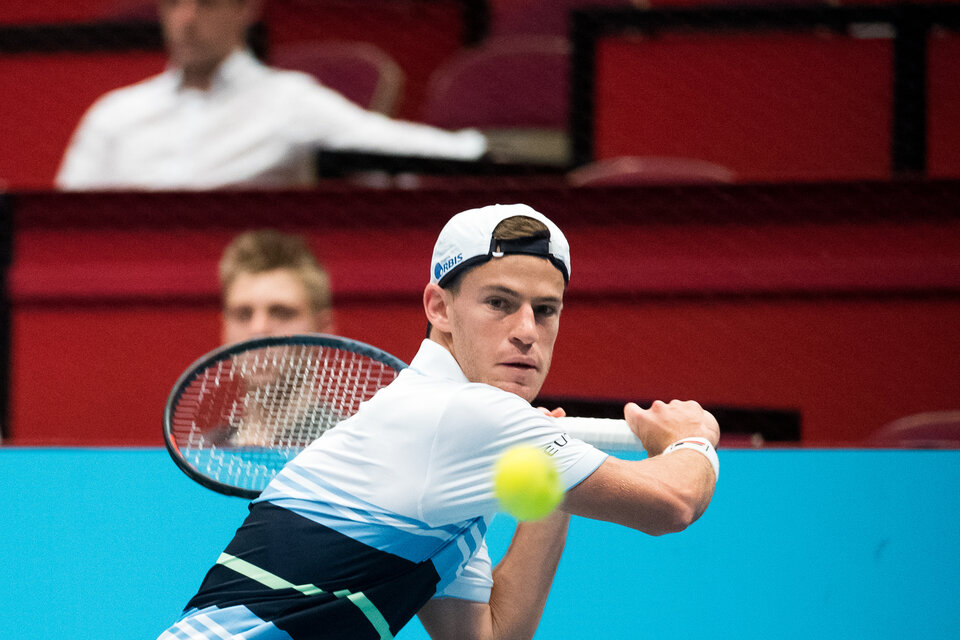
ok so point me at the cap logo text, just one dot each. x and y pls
(442, 267)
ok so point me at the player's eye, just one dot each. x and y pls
(546, 310)
(239, 314)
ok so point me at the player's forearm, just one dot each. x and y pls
(522, 579)
(659, 495)
(687, 484)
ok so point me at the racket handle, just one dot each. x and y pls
(603, 433)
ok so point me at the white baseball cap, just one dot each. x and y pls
(467, 240)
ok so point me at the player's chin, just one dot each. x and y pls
(528, 389)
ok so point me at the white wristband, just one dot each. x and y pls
(700, 445)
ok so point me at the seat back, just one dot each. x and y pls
(516, 90)
(640, 170)
(927, 430)
(506, 82)
(362, 72)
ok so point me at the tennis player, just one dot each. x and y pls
(383, 517)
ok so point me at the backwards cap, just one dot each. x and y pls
(467, 240)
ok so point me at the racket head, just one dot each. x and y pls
(239, 413)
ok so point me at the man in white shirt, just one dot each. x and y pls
(217, 117)
(383, 517)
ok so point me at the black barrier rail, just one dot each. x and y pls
(111, 35)
(909, 24)
(340, 164)
(107, 36)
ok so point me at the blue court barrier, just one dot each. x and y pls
(110, 544)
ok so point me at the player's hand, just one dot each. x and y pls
(555, 413)
(663, 424)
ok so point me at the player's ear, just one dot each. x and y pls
(436, 305)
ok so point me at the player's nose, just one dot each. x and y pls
(260, 324)
(525, 324)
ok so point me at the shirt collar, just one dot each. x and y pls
(233, 68)
(434, 360)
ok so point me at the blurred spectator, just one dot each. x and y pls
(272, 285)
(217, 117)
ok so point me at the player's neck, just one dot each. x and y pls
(200, 80)
(201, 75)
(441, 338)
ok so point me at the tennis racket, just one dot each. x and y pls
(237, 415)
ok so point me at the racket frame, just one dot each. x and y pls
(225, 352)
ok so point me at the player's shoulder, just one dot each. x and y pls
(133, 95)
(474, 402)
(293, 79)
(292, 76)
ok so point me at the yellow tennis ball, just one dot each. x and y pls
(526, 483)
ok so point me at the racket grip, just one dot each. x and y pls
(603, 433)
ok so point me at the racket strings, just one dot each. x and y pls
(241, 419)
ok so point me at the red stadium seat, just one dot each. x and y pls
(637, 170)
(928, 430)
(514, 89)
(361, 71)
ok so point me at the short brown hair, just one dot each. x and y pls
(268, 250)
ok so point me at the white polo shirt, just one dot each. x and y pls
(411, 473)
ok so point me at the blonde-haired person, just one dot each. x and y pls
(272, 284)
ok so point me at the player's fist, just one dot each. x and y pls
(664, 423)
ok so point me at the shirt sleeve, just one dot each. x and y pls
(475, 580)
(327, 119)
(88, 160)
(85, 163)
(479, 424)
